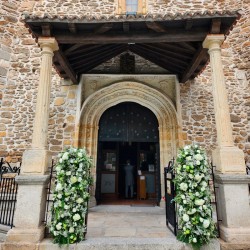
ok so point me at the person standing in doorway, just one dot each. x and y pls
(129, 179)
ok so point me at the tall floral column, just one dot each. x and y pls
(31, 198)
(231, 178)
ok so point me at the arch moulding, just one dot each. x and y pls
(127, 91)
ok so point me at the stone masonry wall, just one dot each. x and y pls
(19, 74)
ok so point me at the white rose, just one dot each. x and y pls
(74, 210)
(58, 168)
(183, 186)
(197, 177)
(79, 179)
(206, 223)
(68, 173)
(198, 162)
(79, 200)
(71, 230)
(60, 160)
(59, 187)
(185, 217)
(59, 196)
(198, 157)
(79, 155)
(65, 156)
(66, 207)
(73, 179)
(204, 184)
(76, 217)
(192, 211)
(183, 196)
(189, 158)
(194, 240)
(199, 202)
(184, 202)
(201, 219)
(59, 226)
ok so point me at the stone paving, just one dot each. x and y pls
(127, 221)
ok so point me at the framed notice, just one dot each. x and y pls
(151, 168)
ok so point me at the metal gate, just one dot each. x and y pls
(171, 219)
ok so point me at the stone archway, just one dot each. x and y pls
(129, 91)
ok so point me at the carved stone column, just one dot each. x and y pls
(31, 197)
(36, 159)
(226, 157)
(230, 178)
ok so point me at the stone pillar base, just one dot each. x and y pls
(30, 209)
(33, 235)
(233, 207)
(229, 160)
(235, 235)
(36, 161)
(92, 201)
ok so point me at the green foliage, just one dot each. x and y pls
(193, 197)
(70, 197)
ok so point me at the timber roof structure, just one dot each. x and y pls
(173, 42)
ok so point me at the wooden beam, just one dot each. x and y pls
(72, 28)
(157, 27)
(189, 24)
(172, 60)
(80, 48)
(109, 56)
(156, 60)
(46, 29)
(187, 46)
(215, 26)
(199, 56)
(178, 55)
(170, 37)
(93, 54)
(174, 48)
(103, 28)
(62, 60)
(125, 26)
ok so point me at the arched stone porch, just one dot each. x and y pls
(129, 91)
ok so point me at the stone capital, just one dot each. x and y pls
(213, 41)
(49, 42)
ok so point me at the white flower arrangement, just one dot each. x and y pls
(71, 195)
(193, 197)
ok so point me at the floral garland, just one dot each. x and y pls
(193, 197)
(71, 195)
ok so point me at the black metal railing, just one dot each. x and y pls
(8, 192)
(171, 218)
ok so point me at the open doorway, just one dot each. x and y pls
(128, 132)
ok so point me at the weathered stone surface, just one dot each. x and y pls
(198, 117)
(235, 118)
(59, 101)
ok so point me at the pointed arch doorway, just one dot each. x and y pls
(128, 131)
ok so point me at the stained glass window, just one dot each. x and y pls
(131, 6)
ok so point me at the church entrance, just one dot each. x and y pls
(128, 135)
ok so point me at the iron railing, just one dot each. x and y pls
(8, 192)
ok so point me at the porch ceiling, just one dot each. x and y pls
(173, 42)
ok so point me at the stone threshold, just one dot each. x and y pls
(113, 243)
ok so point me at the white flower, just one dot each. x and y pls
(58, 168)
(204, 184)
(201, 219)
(60, 160)
(185, 217)
(183, 196)
(198, 162)
(189, 158)
(191, 176)
(71, 230)
(59, 187)
(206, 223)
(198, 157)
(192, 211)
(79, 179)
(68, 173)
(79, 155)
(194, 240)
(184, 202)
(183, 186)
(74, 210)
(79, 200)
(73, 179)
(59, 196)
(65, 156)
(199, 202)
(66, 207)
(59, 226)
(76, 217)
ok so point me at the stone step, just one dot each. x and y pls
(127, 244)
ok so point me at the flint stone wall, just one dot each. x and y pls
(19, 73)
